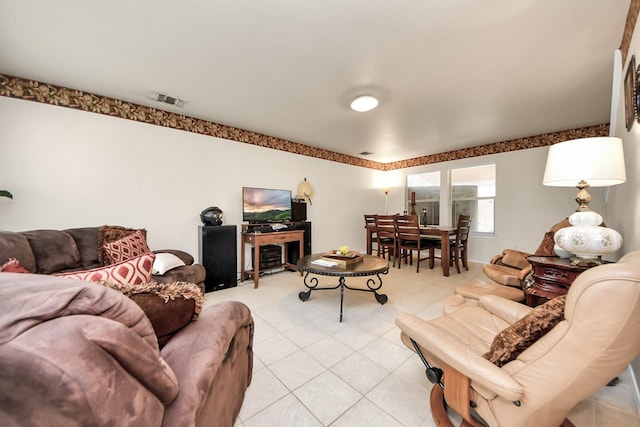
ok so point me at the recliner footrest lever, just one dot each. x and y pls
(434, 375)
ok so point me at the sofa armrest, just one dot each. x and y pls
(516, 259)
(512, 258)
(497, 259)
(508, 268)
(80, 370)
(184, 256)
(524, 273)
(194, 273)
(502, 274)
(507, 310)
(213, 360)
(190, 272)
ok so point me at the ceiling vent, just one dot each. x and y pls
(168, 99)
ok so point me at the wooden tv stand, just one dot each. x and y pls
(251, 236)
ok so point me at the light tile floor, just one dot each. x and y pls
(311, 370)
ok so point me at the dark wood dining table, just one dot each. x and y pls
(442, 231)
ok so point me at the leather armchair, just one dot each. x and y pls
(506, 272)
(511, 266)
(505, 276)
(593, 343)
(508, 268)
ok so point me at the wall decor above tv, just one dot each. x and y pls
(265, 205)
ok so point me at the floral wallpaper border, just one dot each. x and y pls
(505, 146)
(630, 25)
(16, 87)
(30, 90)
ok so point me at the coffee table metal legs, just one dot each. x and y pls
(373, 285)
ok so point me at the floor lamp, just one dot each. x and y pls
(386, 201)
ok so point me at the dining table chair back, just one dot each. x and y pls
(386, 234)
(459, 244)
(410, 240)
(372, 237)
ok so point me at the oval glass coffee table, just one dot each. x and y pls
(369, 266)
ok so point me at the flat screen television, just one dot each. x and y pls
(265, 205)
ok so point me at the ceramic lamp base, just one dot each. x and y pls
(586, 239)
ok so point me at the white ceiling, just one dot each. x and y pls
(449, 74)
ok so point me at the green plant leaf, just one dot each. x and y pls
(5, 193)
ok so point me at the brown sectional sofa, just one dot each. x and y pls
(75, 249)
(75, 353)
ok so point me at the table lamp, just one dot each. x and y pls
(584, 163)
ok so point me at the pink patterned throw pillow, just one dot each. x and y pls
(12, 265)
(135, 271)
(126, 248)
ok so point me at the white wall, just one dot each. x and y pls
(624, 199)
(69, 168)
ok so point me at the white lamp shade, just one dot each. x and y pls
(599, 161)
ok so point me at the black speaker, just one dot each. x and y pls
(293, 249)
(298, 211)
(218, 255)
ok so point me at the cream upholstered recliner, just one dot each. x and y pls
(506, 273)
(593, 343)
(508, 268)
(505, 277)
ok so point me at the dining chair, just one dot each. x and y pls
(409, 240)
(386, 233)
(372, 237)
(458, 244)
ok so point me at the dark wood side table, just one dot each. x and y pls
(550, 277)
(258, 239)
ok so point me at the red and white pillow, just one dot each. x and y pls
(12, 265)
(126, 248)
(135, 271)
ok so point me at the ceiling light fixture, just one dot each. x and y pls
(364, 103)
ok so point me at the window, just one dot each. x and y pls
(473, 192)
(426, 187)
